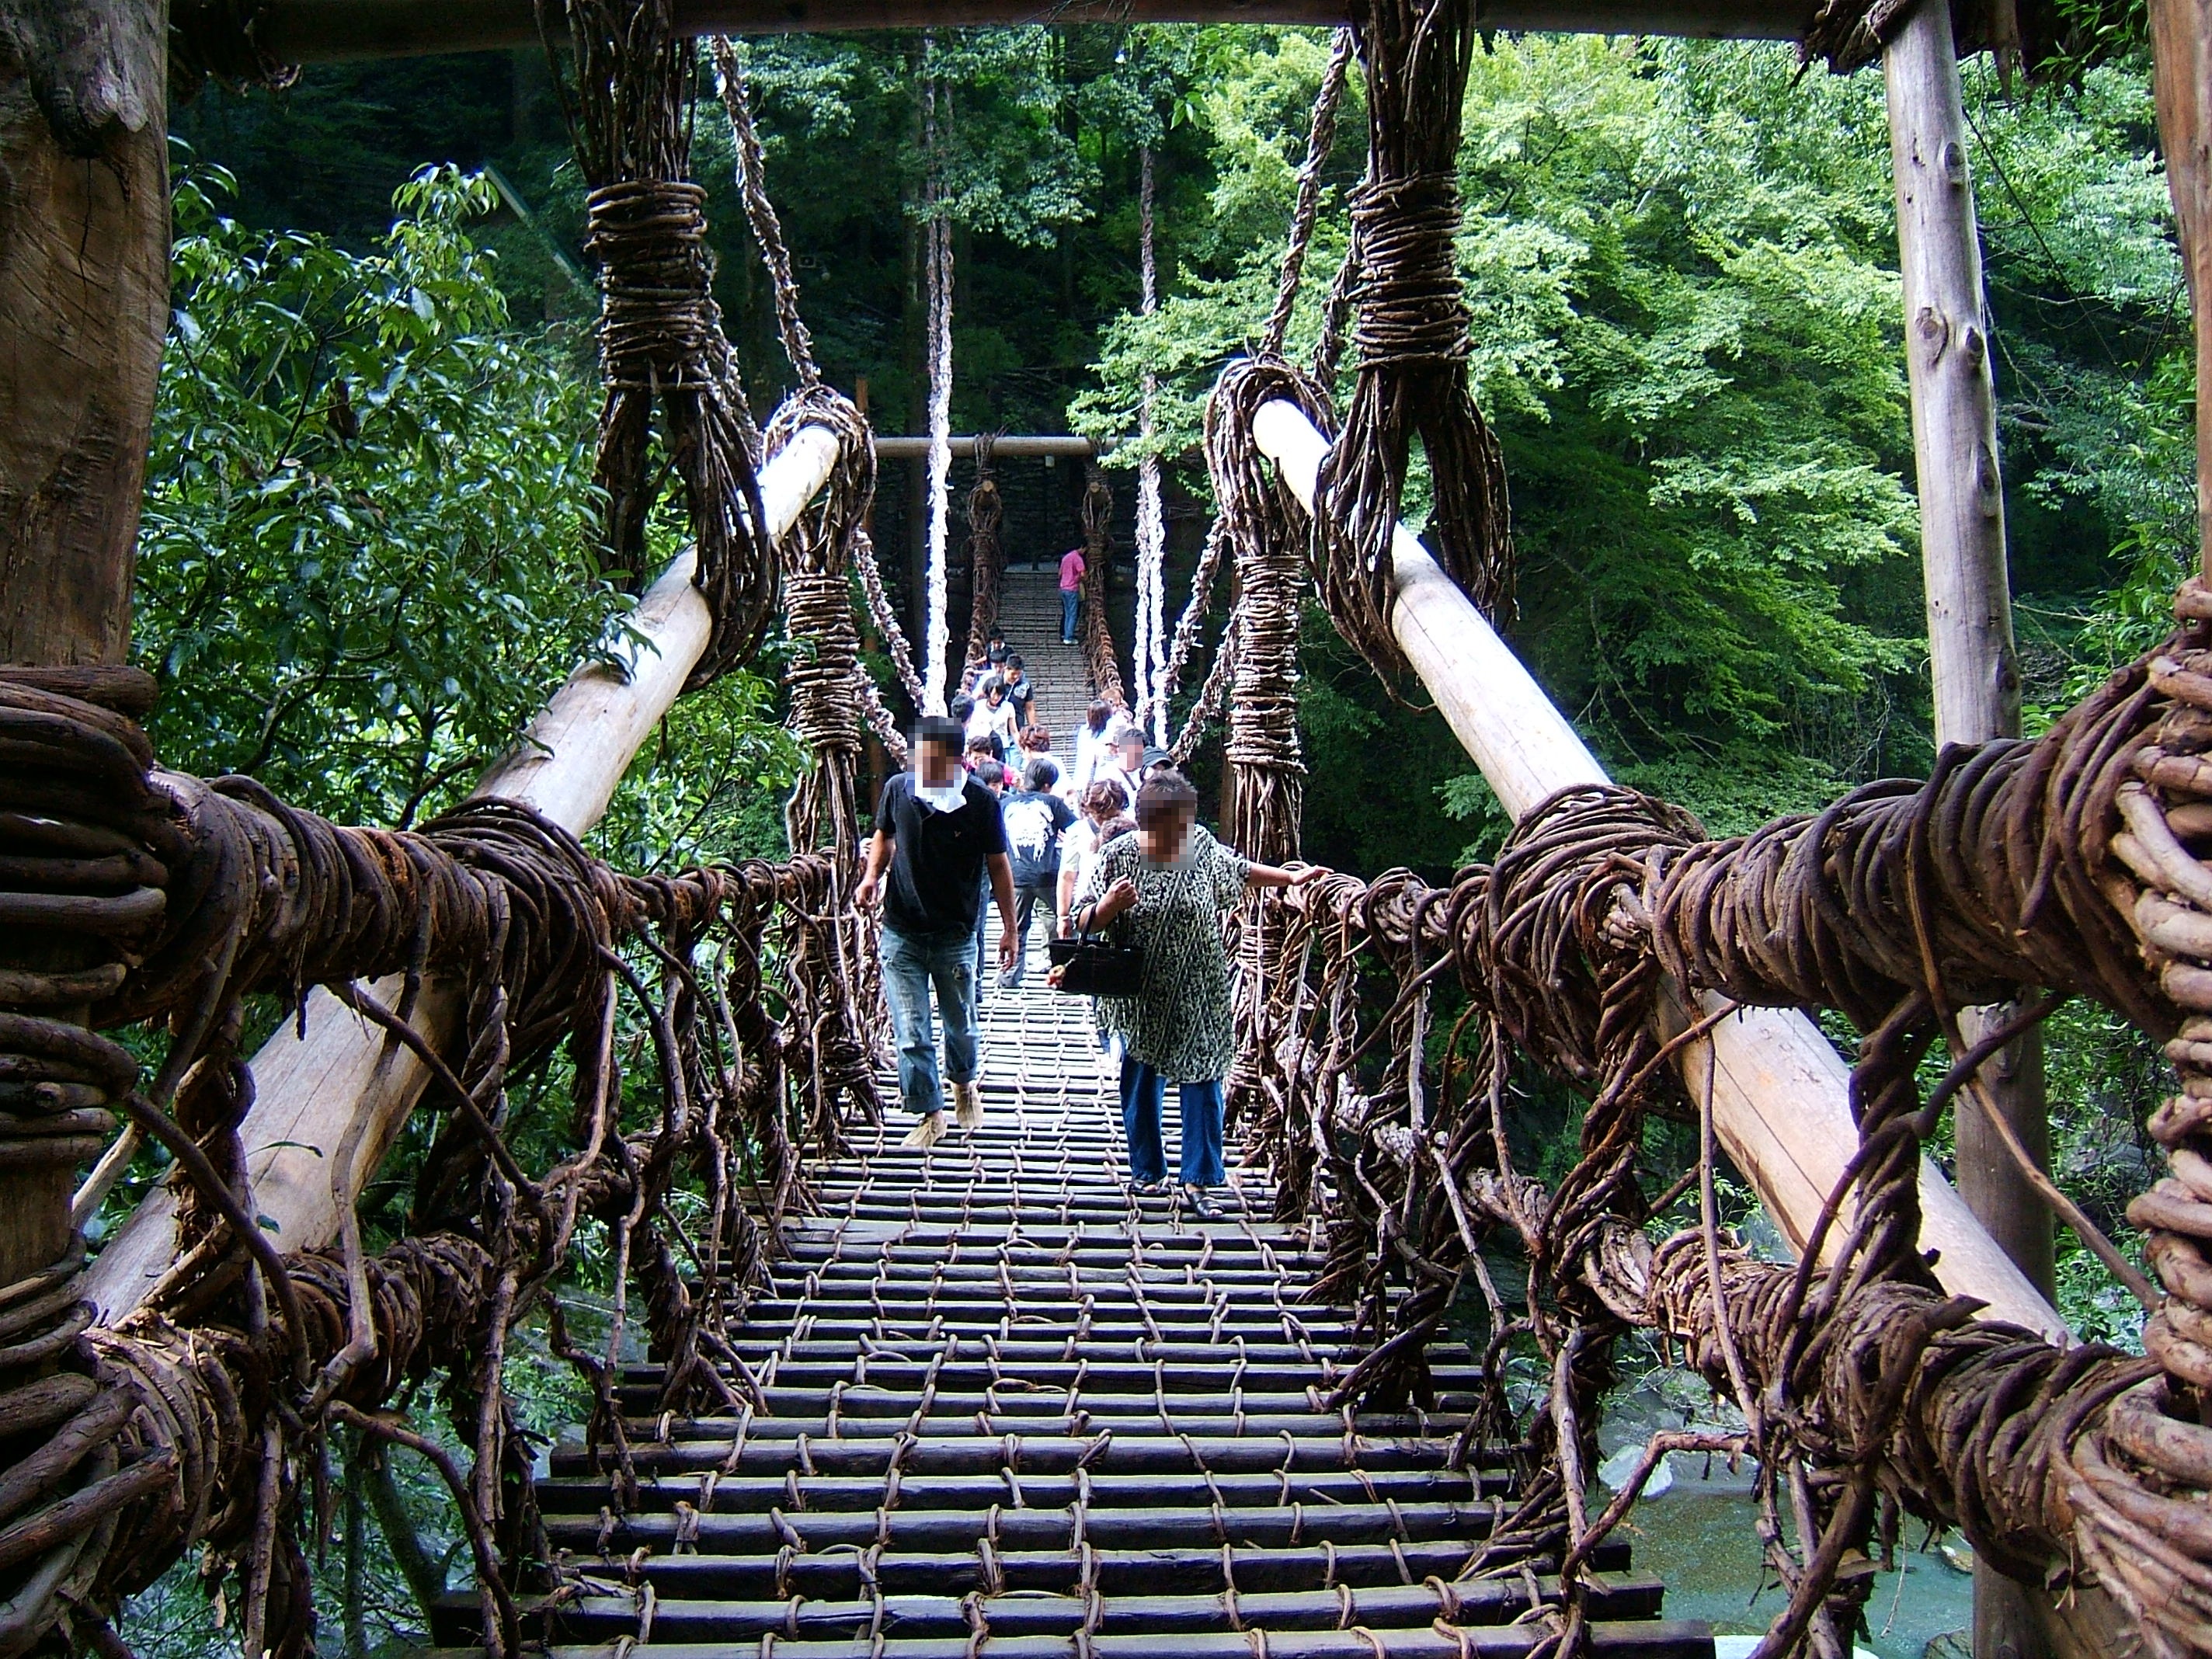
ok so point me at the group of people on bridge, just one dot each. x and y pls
(1111, 846)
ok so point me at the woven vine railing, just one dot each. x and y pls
(198, 1421)
(2070, 866)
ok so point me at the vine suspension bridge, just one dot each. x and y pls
(1003, 1401)
(982, 1402)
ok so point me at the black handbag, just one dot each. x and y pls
(1096, 965)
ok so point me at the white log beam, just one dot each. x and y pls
(1780, 1089)
(309, 1092)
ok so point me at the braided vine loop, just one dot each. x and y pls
(1261, 526)
(1410, 338)
(660, 332)
(987, 553)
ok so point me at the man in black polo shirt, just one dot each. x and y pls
(938, 834)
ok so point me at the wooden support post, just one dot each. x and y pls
(309, 1091)
(1780, 1089)
(2181, 55)
(84, 290)
(1972, 662)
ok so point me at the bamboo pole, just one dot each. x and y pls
(1973, 662)
(310, 1091)
(1780, 1089)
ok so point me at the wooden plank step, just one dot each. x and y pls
(1007, 1411)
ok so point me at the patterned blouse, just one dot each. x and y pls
(1180, 1023)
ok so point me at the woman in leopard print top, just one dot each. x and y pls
(1177, 886)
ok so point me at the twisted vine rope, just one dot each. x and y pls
(2071, 865)
(1148, 658)
(659, 332)
(195, 1421)
(1096, 634)
(937, 278)
(1409, 340)
(986, 555)
(1321, 135)
(856, 543)
(1261, 526)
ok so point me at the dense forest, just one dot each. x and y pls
(367, 550)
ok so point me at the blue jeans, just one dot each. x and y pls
(912, 964)
(1069, 599)
(1142, 1089)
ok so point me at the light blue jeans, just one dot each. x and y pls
(1069, 599)
(913, 964)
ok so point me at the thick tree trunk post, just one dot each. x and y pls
(1779, 1088)
(1973, 662)
(84, 289)
(2181, 48)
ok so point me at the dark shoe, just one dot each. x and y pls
(1148, 1189)
(1201, 1205)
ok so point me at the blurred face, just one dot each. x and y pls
(1164, 835)
(996, 694)
(1130, 756)
(937, 764)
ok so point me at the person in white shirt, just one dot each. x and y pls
(994, 716)
(1090, 751)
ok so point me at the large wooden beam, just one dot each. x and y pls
(1780, 1089)
(1972, 661)
(1005, 447)
(2181, 58)
(315, 31)
(84, 291)
(343, 1078)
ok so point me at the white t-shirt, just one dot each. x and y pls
(1090, 755)
(987, 721)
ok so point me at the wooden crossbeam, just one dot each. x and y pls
(323, 31)
(1007, 446)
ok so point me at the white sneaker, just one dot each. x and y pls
(968, 1105)
(928, 1131)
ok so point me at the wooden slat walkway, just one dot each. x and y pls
(1015, 1412)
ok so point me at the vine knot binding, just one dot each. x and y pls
(1410, 335)
(660, 333)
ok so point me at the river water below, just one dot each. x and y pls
(1702, 1539)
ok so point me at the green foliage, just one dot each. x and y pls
(366, 550)
(711, 784)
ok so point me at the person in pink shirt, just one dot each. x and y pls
(1071, 592)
